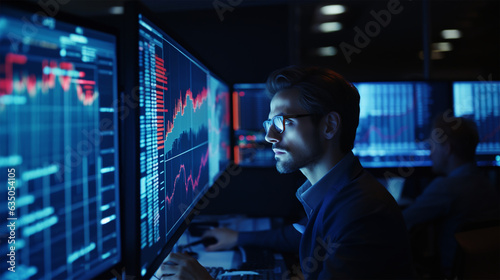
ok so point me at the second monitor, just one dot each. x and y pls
(181, 132)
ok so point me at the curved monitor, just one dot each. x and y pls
(173, 137)
(177, 141)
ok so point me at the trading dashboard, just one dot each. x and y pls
(58, 130)
(174, 136)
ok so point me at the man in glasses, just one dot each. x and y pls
(355, 229)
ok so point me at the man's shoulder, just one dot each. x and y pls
(458, 183)
(358, 197)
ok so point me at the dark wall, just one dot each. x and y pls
(260, 192)
(245, 46)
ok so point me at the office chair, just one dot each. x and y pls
(478, 252)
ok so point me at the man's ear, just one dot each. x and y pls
(332, 125)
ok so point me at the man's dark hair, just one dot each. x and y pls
(461, 133)
(322, 91)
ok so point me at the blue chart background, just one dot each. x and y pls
(174, 142)
(58, 130)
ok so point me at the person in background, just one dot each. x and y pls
(355, 229)
(463, 195)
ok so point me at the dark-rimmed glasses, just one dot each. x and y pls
(279, 122)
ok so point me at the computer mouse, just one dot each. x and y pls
(207, 241)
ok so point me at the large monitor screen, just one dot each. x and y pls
(480, 101)
(250, 109)
(58, 152)
(395, 120)
(219, 127)
(182, 108)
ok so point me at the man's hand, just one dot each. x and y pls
(177, 266)
(226, 239)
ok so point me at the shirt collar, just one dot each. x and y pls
(311, 195)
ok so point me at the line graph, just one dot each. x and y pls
(174, 136)
(51, 116)
(166, 129)
(186, 177)
(36, 75)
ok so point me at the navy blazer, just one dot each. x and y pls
(357, 231)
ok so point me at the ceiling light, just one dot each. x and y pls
(451, 34)
(116, 10)
(332, 10)
(326, 51)
(442, 47)
(330, 26)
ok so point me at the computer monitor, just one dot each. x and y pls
(395, 119)
(219, 127)
(480, 101)
(59, 151)
(250, 108)
(175, 138)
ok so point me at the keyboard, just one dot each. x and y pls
(215, 271)
(257, 263)
(220, 273)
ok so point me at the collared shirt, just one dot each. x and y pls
(355, 228)
(311, 195)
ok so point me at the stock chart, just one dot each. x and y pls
(58, 134)
(174, 129)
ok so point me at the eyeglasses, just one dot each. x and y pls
(279, 122)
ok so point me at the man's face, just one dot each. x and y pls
(299, 145)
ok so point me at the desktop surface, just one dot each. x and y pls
(240, 262)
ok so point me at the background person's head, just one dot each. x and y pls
(453, 142)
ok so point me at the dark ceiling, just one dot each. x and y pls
(244, 40)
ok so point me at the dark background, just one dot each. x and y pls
(244, 40)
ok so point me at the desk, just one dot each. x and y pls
(234, 259)
(230, 259)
